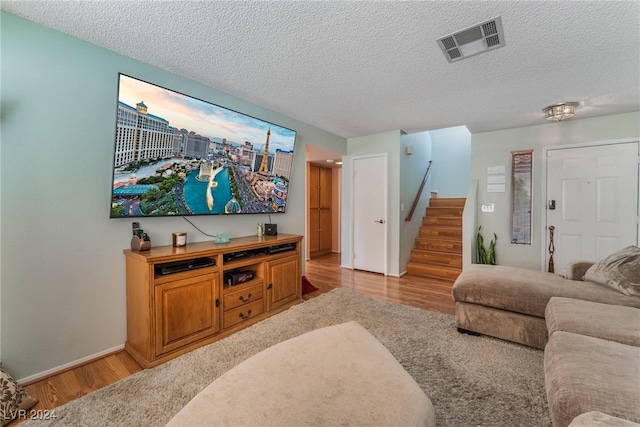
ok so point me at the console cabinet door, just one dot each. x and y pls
(283, 281)
(186, 311)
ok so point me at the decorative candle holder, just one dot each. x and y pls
(179, 239)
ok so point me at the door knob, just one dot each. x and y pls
(380, 221)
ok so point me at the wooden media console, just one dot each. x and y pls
(181, 298)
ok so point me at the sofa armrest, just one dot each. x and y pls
(576, 269)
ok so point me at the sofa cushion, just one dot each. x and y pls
(619, 271)
(606, 321)
(527, 291)
(584, 374)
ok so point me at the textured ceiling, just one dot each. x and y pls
(361, 68)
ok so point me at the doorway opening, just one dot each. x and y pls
(323, 209)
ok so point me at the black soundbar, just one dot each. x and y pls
(184, 265)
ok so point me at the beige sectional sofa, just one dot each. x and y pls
(509, 302)
(592, 360)
(588, 324)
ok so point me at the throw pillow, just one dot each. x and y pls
(619, 271)
(12, 397)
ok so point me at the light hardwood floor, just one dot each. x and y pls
(430, 294)
(323, 272)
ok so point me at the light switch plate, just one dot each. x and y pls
(488, 208)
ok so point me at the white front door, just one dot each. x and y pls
(592, 201)
(370, 213)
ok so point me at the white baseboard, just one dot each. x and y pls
(388, 274)
(398, 275)
(70, 365)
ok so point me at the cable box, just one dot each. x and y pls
(183, 265)
(281, 248)
(238, 277)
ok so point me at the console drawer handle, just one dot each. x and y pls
(245, 300)
(243, 316)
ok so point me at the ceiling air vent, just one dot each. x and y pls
(471, 41)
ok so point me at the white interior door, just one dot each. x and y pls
(370, 213)
(592, 201)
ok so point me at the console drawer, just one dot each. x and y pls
(240, 314)
(242, 297)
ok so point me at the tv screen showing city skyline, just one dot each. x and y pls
(175, 154)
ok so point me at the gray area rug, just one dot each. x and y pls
(472, 381)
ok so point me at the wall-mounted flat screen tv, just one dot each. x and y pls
(178, 155)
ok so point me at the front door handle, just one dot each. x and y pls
(380, 221)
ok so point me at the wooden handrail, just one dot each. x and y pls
(415, 201)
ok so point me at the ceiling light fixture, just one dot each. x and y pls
(559, 112)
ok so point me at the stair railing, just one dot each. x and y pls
(417, 199)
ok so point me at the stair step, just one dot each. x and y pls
(440, 232)
(440, 245)
(438, 258)
(438, 248)
(442, 220)
(447, 202)
(440, 212)
(435, 271)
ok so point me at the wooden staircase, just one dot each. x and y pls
(438, 250)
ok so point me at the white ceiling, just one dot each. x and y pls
(361, 68)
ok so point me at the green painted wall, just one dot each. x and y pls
(451, 172)
(63, 272)
(494, 149)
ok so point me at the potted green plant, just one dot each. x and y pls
(486, 256)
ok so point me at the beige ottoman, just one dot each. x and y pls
(338, 375)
